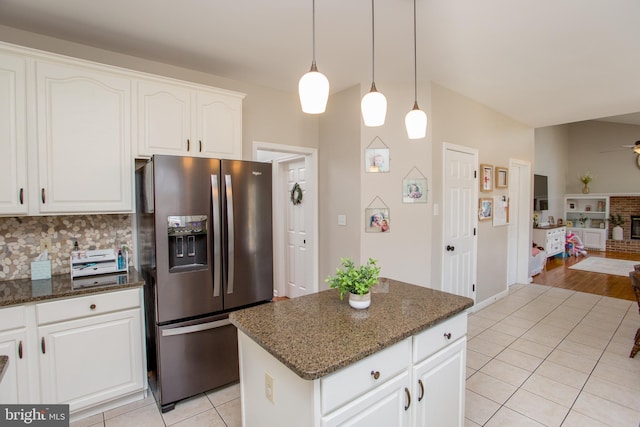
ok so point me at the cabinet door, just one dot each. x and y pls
(594, 239)
(383, 406)
(14, 386)
(13, 138)
(88, 361)
(164, 119)
(219, 125)
(439, 387)
(84, 140)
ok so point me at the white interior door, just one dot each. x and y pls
(460, 221)
(298, 268)
(519, 225)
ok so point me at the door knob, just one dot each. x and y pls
(450, 248)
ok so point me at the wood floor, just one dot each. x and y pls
(557, 273)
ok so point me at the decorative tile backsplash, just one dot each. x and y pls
(20, 239)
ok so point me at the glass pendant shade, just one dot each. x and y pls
(636, 149)
(313, 89)
(416, 123)
(374, 107)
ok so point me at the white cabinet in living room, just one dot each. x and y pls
(13, 135)
(14, 387)
(552, 239)
(588, 215)
(84, 158)
(178, 119)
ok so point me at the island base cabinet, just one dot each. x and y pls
(386, 405)
(87, 361)
(439, 387)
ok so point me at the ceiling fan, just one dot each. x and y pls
(635, 147)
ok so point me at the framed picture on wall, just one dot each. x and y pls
(502, 177)
(377, 220)
(486, 178)
(485, 211)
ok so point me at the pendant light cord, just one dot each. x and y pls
(415, 57)
(313, 26)
(373, 43)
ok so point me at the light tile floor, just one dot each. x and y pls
(553, 357)
(539, 356)
(216, 408)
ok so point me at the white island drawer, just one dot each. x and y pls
(358, 378)
(439, 336)
(89, 305)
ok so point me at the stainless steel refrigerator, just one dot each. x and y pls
(205, 249)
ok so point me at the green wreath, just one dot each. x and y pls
(296, 194)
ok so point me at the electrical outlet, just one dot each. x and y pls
(268, 387)
(45, 244)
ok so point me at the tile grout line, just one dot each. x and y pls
(546, 357)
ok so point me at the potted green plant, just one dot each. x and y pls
(616, 221)
(356, 281)
(583, 220)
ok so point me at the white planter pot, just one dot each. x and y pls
(616, 234)
(360, 301)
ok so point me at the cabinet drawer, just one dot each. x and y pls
(356, 379)
(13, 318)
(437, 337)
(90, 305)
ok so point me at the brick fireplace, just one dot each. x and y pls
(627, 207)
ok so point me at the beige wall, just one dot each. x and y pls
(339, 182)
(462, 121)
(615, 172)
(551, 158)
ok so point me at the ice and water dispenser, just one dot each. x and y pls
(187, 242)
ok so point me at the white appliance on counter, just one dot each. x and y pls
(91, 263)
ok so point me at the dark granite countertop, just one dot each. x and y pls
(318, 334)
(22, 291)
(4, 362)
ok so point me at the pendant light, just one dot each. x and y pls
(313, 87)
(374, 103)
(416, 119)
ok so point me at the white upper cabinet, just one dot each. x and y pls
(219, 125)
(187, 120)
(164, 119)
(84, 140)
(13, 135)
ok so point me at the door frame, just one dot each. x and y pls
(280, 199)
(519, 235)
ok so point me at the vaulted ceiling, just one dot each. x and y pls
(541, 62)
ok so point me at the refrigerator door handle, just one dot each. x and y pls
(217, 236)
(230, 236)
(195, 328)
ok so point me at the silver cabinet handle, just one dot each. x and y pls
(195, 328)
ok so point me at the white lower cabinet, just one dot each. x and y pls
(439, 387)
(87, 351)
(14, 387)
(87, 361)
(418, 382)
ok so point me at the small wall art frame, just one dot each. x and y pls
(486, 178)
(485, 209)
(377, 217)
(414, 187)
(376, 156)
(502, 177)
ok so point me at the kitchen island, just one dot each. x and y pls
(315, 361)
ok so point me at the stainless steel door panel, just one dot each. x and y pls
(196, 356)
(183, 188)
(249, 234)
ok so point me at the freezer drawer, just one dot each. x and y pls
(194, 357)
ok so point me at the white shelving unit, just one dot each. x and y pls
(594, 209)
